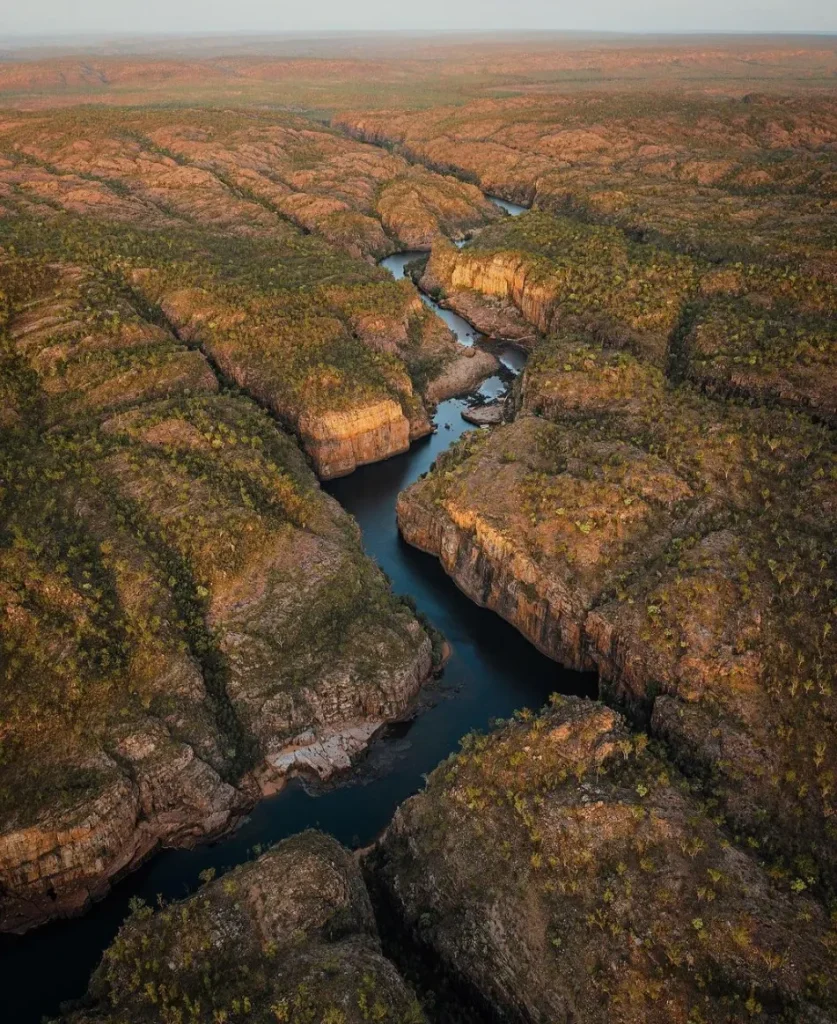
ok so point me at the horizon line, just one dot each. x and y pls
(116, 35)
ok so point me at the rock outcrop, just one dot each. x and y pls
(721, 272)
(244, 173)
(186, 618)
(462, 374)
(704, 173)
(497, 293)
(485, 415)
(649, 533)
(288, 937)
(557, 869)
(526, 280)
(254, 239)
(152, 792)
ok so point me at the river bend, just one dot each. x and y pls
(492, 671)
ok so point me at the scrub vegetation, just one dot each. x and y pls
(193, 328)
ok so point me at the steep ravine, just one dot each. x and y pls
(491, 672)
(173, 779)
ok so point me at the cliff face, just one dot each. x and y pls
(557, 870)
(339, 442)
(499, 294)
(186, 618)
(485, 561)
(153, 791)
(628, 528)
(705, 174)
(755, 330)
(289, 937)
(553, 273)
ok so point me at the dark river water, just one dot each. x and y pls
(492, 671)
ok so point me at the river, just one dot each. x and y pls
(515, 209)
(492, 671)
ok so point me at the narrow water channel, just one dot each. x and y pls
(492, 672)
(515, 209)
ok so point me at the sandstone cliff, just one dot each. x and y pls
(513, 299)
(552, 273)
(633, 529)
(288, 937)
(757, 330)
(186, 618)
(725, 177)
(557, 870)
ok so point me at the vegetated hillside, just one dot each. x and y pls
(721, 177)
(193, 619)
(288, 937)
(232, 171)
(560, 869)
(253, 235)
(664, 505)
(186, 617)
(681, 545)
(186, 613)
(660, 505)
(764, 330)
(334, 347)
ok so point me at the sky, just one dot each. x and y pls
(62, 17)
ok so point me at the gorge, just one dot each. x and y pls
(562, 687)
(492, 671)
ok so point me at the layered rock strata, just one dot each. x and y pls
(290, 936)
(732, 176)
(181, 606)
(239, 172)
(557, 869)
(681, 547)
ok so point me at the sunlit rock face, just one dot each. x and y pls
(631, 527)
(182, 606)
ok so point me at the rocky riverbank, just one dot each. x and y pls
(182, 606)
(558, 869)
(288, 937)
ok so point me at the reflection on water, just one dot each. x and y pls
(515, 209)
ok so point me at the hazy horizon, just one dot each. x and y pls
(58, 18)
